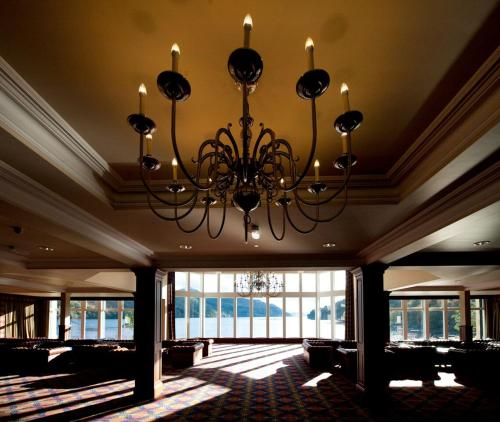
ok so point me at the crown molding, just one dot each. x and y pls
(31, 120)
(74, 264)
(468, 194)
(474, 106)
(83, 228)
(28, 117)
(269, 262)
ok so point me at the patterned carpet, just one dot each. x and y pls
(238, 383)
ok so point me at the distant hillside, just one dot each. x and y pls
(259, 309)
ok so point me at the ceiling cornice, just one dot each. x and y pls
(468, 194)
(277, 262)
(91, 233)
(475, 105)
(31, 120)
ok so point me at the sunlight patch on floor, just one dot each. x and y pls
(405, 383)
(261, 362)
(266, 371)
(313, 382)
(446, 380)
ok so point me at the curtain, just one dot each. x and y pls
(349, 306)
(493, 315)
(19, 316)
(171, 305)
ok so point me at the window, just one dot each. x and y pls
(415, 316)
(325, 317)
(478, 318)
(433, 318)
(340, 317)
(127, 320)
(453, 315)
(180, 317)
(259, 317)
(436, 319)
(227, 317)
(292, 317)
(313, 304)
(91, 314)
(92, 319)
(275, 317)
(211, 313)
(308, 317)
(75, 308)
(181, 280)
(54, 316)
(194, 317)
(242, 317)
(111, 319)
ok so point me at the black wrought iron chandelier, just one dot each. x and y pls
(258, 284)
(245, 176)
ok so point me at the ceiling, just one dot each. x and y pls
(427, 178)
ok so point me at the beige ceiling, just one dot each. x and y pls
(87, 58)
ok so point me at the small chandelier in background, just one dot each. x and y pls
(247, 176)
(258, 284)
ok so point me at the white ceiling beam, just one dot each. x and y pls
(91, 233)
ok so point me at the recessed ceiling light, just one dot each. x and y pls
(185, 247)
(482, 243)
(46, 248)
(329, 245)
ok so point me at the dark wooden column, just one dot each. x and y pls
(64, 317)
(371, 320)
(147, 332)
(465, 317)
(170, 305)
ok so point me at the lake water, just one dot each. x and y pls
(110, 328)
(259, 327)
(226, 329)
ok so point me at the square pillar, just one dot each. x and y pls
(372, 319)
(64, 317)
(465, 319)
(148, 332)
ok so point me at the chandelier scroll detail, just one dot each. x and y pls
(252, 172)
(258, 284)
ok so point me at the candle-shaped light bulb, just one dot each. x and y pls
(310, 52)
(174, 169)
(344, 90)
(247, 27)
(316, 171)
(142, 92)
(282, 182)
(345, 139)
(149, 144)
(176, 52)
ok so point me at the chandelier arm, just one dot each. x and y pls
(262, 133)
(298, 229)
(313, 148)
(164, 217)
(192, 230)
(347, 177)
(221, 225)
(164, 201)
(148, 188)
(271, 224)
(227, 132)
(324, 220)
(176, 151)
